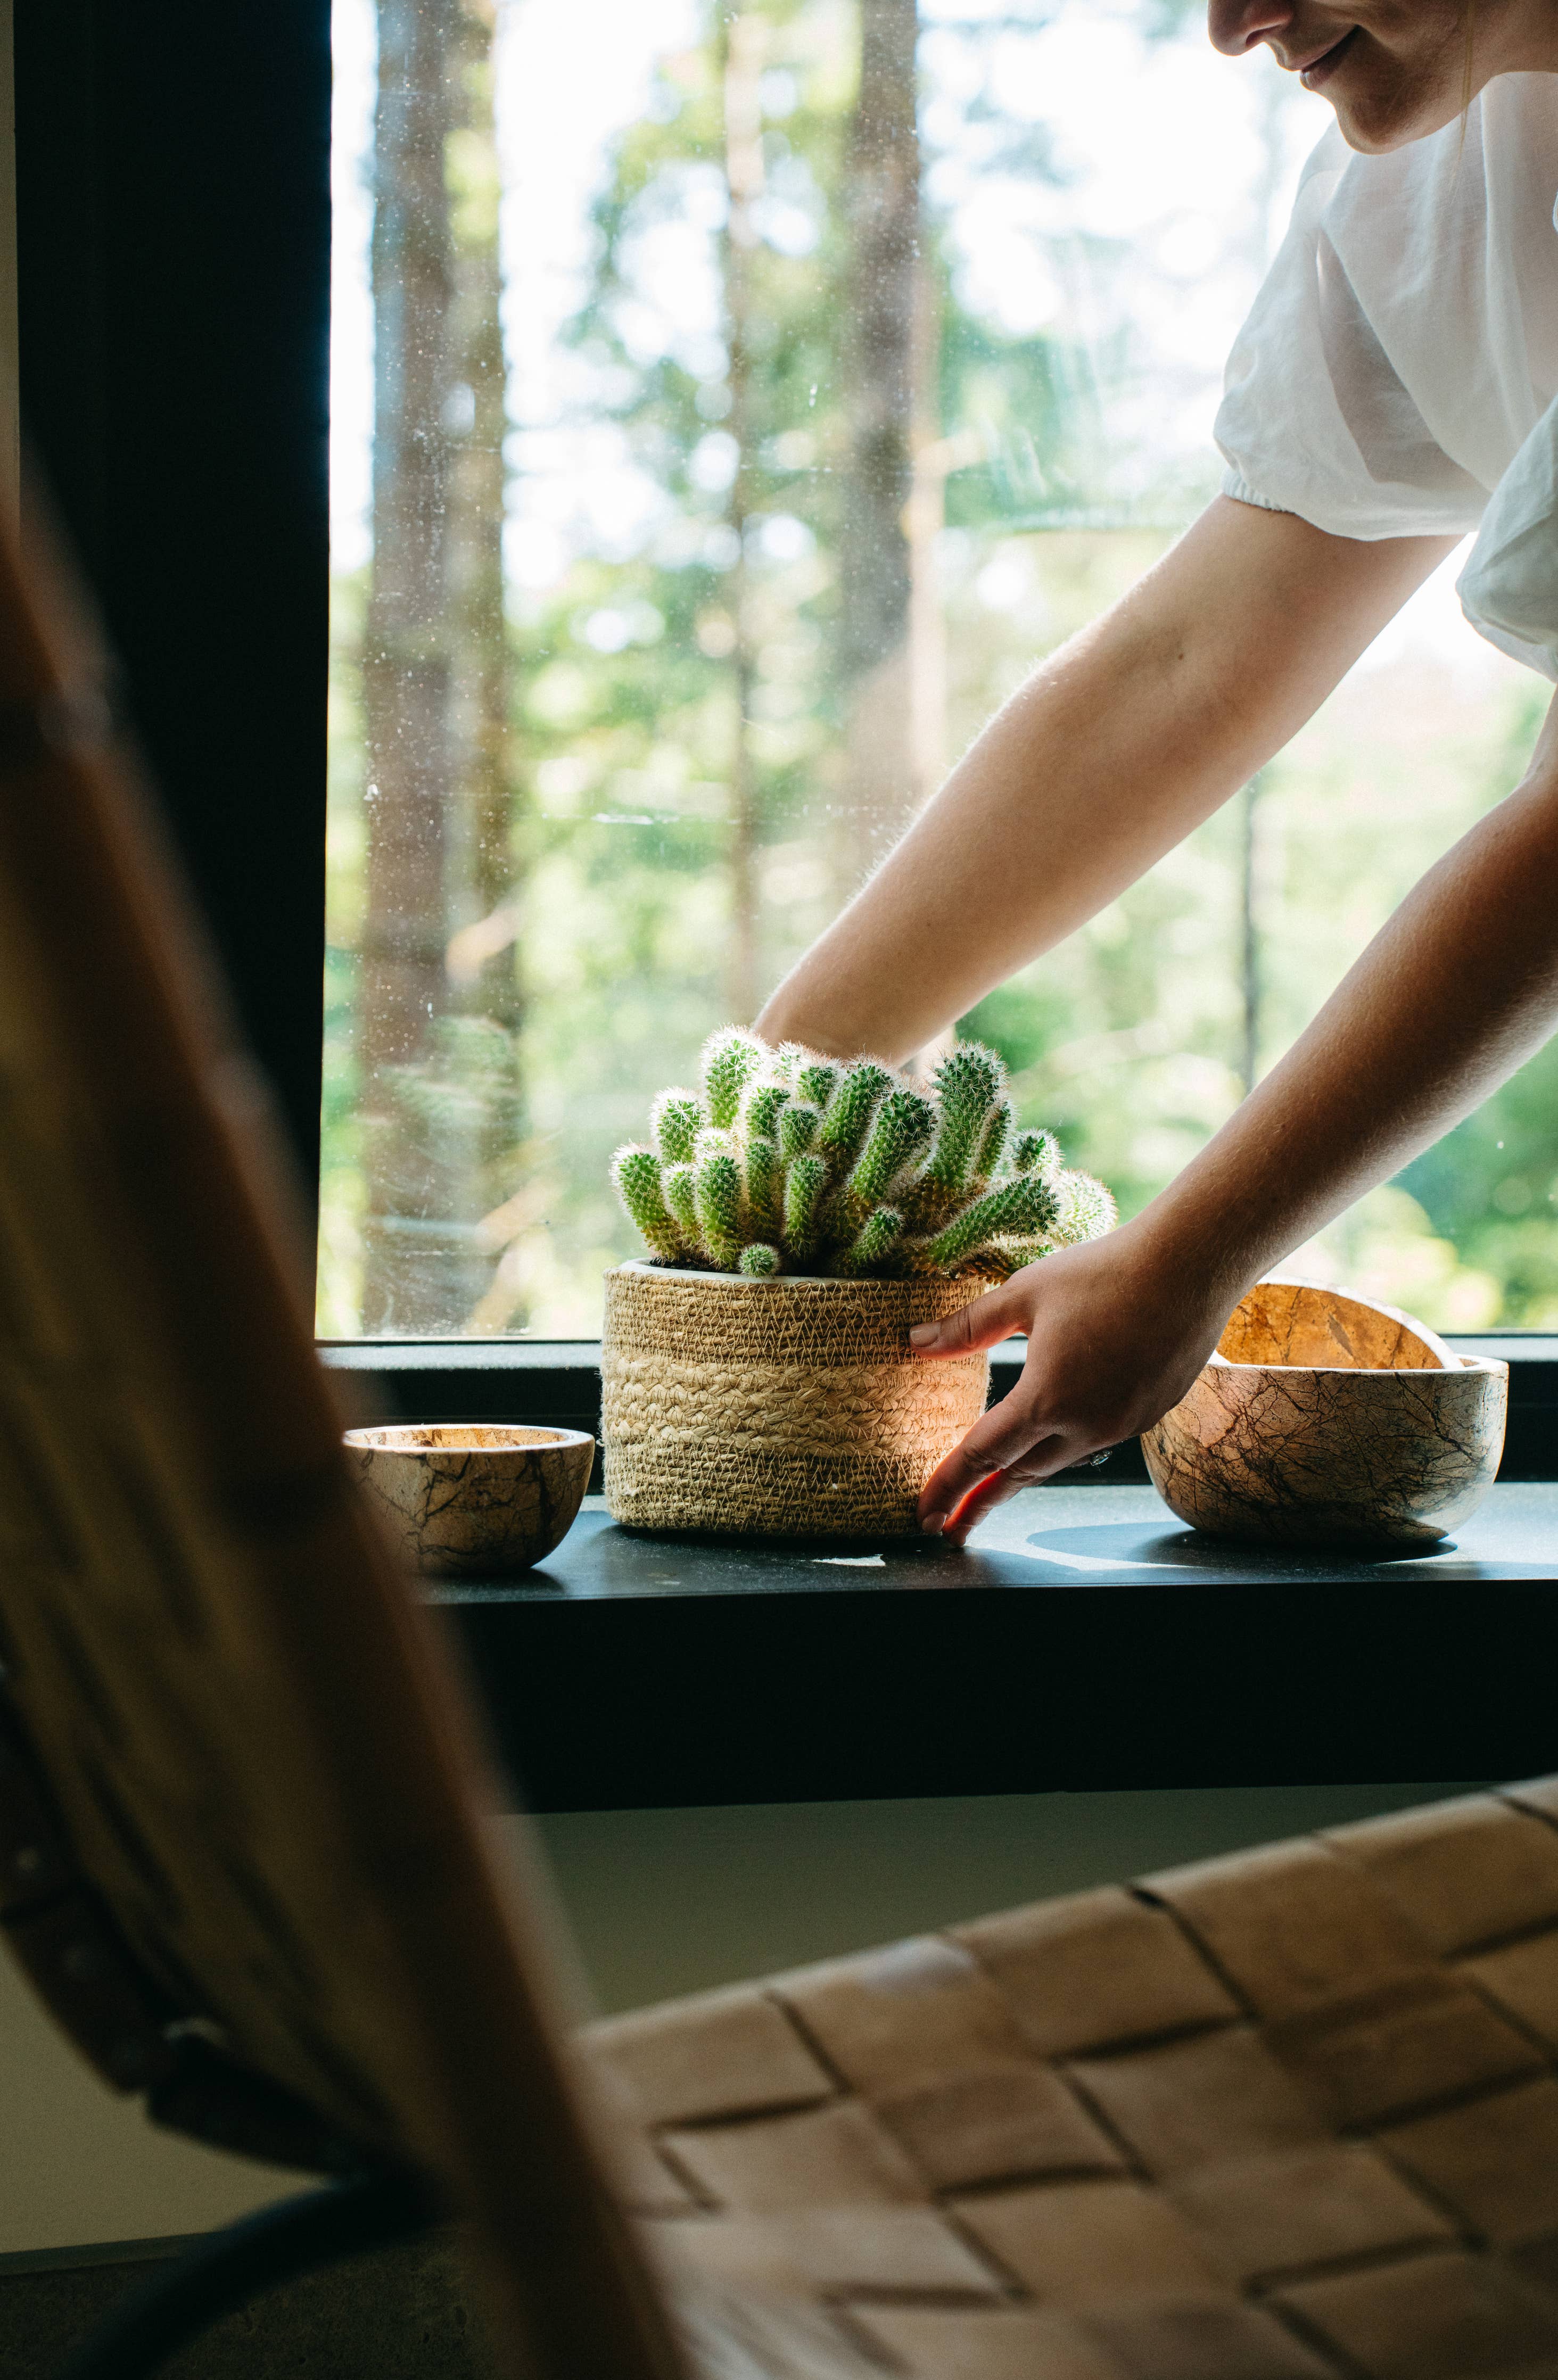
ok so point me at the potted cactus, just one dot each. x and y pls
(801, 1214)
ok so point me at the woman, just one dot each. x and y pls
(1394, 388)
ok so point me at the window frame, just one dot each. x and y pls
(179, 410)
(173, 264)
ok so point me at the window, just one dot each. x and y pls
(729, 406)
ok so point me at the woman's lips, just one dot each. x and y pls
(1319, 70)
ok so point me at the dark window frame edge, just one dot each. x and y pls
(537, 1381)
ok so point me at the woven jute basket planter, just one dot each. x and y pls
(787, 1408)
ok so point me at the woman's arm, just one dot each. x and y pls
(1456, 990)
(1115, 748)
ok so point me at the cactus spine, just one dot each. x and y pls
(790, 1163)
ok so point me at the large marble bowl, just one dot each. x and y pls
(474, 1500)
(1324, 1419)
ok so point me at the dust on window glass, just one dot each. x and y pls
(730, 405)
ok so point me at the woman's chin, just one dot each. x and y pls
(1380, 107)
(1374, 123)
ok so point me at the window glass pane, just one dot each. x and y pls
(730, 407)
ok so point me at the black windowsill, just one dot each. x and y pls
(1084, 1642)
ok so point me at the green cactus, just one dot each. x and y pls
(1036, 1152)
(791, 1163)
(730, 1059)
(717, 1198)
(1019, 1208)
(806, 1183)
(903, 1125)
(846, 1119)
(1087, 1209)
(677, 1119)
(875, 1240)
(797, 1129)
(637, 1173)
(762, 1103)
(677, 1181)
(992, 1140)
(816, 1080)
(1014, 1253)
(765, 1187)
(968, 1083)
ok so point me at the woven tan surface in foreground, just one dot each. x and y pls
(1287, 2116)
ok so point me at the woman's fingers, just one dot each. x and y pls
(1010, 1433)
(1114, 1340)
(980, 1324)
(997, 1485)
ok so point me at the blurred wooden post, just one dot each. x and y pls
(438, 1095)
(881, 345)
(742, 42)
(482, 956)
(405, 673)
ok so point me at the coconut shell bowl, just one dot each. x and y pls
(1324, 1419)
(474, 1500)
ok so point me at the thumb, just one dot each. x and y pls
(988, 1318)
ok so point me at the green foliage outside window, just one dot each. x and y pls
(686, 723)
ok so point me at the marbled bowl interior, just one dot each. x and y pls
(1325, 1418)
(474, 1499)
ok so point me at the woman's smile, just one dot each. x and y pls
(1394, 70)
(1317, 71)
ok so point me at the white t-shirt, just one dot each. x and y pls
(1397, 376)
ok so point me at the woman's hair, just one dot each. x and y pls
(1469, 60)
(1468, 71)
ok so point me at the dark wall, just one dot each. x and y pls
(173, 232)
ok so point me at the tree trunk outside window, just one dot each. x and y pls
(743, 39)
(439, 1102)
(882, 342)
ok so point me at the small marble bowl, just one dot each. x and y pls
(474, 1500)
(1324, 1419)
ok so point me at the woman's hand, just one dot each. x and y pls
(1115, 1336)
